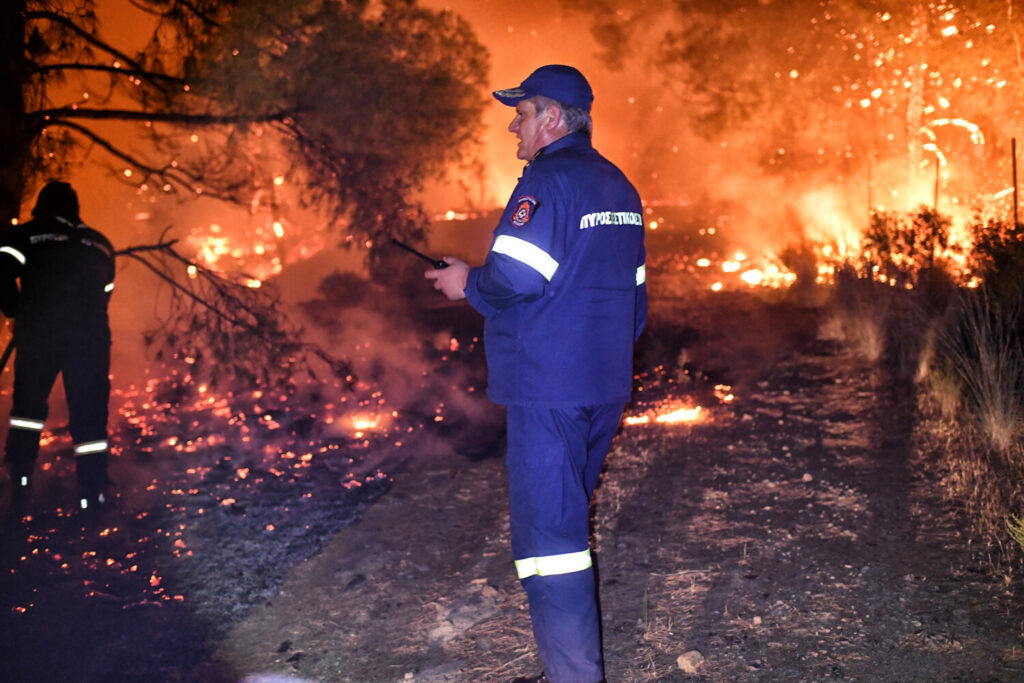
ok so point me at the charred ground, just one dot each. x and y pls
(798, 533)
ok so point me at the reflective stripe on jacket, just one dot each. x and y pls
(563, 288)
(66, 272)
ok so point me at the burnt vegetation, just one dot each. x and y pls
(947, 325)
(220, 99)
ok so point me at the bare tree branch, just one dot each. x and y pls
(260, 327)
(161, 116)
(199, 13)
(139, 73)
(133, 252)
(145, 247)
(169, 173)
(84, 34)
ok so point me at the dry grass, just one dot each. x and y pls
(944, 391)
(860, 331)
(986, 484)
(982, 351)
(969, 366)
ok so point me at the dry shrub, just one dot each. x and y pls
(987, 485)
(944, 390)
(882, 323)
(981, 348)
(901, 306)
(858, 314)
(975, 381)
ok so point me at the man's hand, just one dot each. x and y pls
(451, 281)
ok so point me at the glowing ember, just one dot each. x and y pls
(680, 415)
(752, 277)
(363, 423)
(669, 415)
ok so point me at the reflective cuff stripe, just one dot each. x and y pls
(15, 253)
(641, 275)
(90, 447)
(553, 564)
(109, 287)
(527, 253)
(25, 423)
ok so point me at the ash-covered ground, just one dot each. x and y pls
(790, 533)
(141, 589)
(795, 531)
(219, 491)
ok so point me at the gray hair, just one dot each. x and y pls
(575, 118)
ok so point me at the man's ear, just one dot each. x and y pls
(553, 115)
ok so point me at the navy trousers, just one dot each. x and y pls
(84, 364)
(555, 456)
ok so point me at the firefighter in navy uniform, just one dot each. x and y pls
(65, 270)
(564, 298)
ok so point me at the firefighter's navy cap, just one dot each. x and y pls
(557, 81)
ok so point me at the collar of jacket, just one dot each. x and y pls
(68, 222)
(577, 139)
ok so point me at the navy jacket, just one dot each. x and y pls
(66, 271)
(562, 290)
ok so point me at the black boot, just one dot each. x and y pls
(21, 486)
(92, 480)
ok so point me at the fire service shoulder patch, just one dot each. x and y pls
(525, 208)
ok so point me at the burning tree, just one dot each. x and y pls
(354, 104)
(846, 90)
(835, 84)
(224, 96)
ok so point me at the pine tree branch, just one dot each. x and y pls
(139, 73)
(176, 175)
(162, 117)
(87, 36)
(265, 326)
(199, 13)
(202, 16)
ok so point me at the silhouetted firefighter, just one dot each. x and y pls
(66, 273)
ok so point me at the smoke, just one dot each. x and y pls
(741, 178)
(642, 112)
(810, 115)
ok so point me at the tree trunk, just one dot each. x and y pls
(15, 139)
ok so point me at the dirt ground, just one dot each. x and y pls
(796, 533)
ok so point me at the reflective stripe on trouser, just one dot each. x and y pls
(26, 424)
(549, 565)
(554, 460)
(91, 468)
(23, 443)
(90, 447)
(84, 364)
